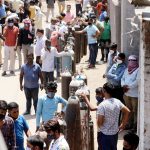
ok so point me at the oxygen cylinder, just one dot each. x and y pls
(74, 86)
(66, 79)
(73, 121)
(84, 114)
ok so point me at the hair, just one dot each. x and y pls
(3, 105)
(63, 14)
(40, 30)
(12, 105)
(47, 41)
(53, 125)
(52, 85)
(113, 45)
(109, 88)
(36, 140)
(132, 139)
(99, 90)
(31, 54)
(122, 55)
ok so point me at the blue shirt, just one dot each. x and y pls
(115, 74)
(2, 11)
(20, 127)
(102, 16)
(47, 107)
(31, 75)
(91, 30)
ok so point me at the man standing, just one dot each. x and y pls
(52, 128)
(115, 74)
(92, 35)
(26, 38)
(11, 35)
(129, 82)
(2, 12)
(31, 72)
(20, 123)
(7, 126)
(69, 16)
(47, 104)
(107, 119)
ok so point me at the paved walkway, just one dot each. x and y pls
(9, 85)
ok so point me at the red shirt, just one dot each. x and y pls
(54, 39)
(11, 35)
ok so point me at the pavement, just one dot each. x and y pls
(10, 89)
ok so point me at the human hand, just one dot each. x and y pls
(21, 87)
(121, 127)
(104, 75)
(125, 88)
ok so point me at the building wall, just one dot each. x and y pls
(145, 86)
(130, 30)
(115, 21)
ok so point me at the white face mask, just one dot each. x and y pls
(111, 51)
(28, 148)
(119, 61)
(10, 24)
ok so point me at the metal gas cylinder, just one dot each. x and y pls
(84, 114)
(67, 59)
(74, 86)
(65, 81)
(73, 120)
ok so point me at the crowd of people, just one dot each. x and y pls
(22, 32)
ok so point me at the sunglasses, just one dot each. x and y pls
(132, 60)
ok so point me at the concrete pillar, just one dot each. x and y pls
(144, 94)
(129, 29)
(115, 21)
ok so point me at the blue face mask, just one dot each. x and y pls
(51, 94)
(50, 137)
(99, 99)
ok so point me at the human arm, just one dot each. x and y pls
(100, 115)
(100, 120)
(64, 102)
(39, 112)
(21, 78)
(92, 108)
(125, 117)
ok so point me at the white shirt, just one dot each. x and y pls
(132, 81)
(110, 109)
(16, 4)
(59, 144)
(48, 59)
(40, 44)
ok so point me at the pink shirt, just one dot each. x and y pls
(69, 16)
(54, 39)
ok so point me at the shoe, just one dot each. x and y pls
(4, 73)
(12, 72)
(26, 113)
(101, 62)
(91, 66)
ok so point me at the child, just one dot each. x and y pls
(99, 95)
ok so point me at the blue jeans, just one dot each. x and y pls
(107, 142)
(93, 53)
(31, 93)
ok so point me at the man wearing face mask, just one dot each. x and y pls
(26, 38)
(92, 35)
(130, 141)
(20, 123)
(112, 57)
(10, 34)
(52, 128)
(115, 74)
(7, 126)
(47, 104)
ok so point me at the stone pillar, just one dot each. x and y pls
(130, 30)
(144, 88)
(115, 21)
